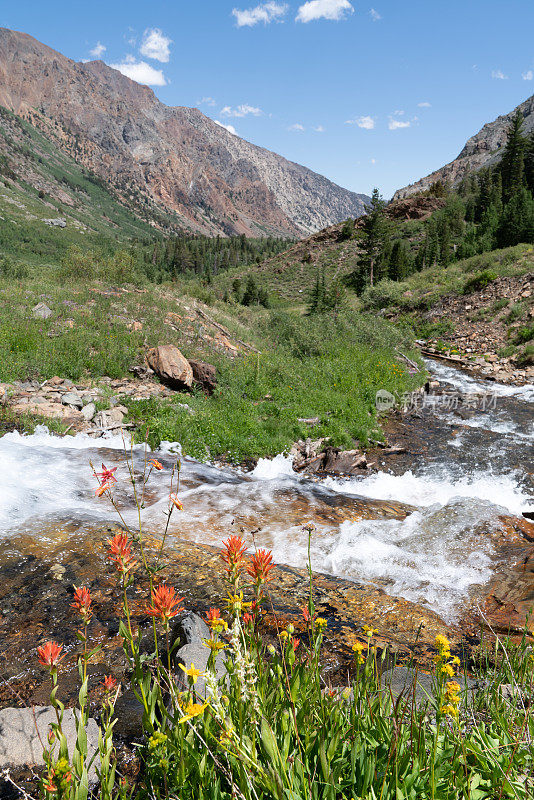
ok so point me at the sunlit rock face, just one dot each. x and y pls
(481, 150)
(174, 157)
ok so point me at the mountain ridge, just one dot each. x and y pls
(482, 149)
(172, 157)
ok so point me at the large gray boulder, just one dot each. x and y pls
(23, 731)
(189, 632)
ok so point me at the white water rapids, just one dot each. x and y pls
(432, 556)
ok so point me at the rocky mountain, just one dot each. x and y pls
(481, 150)
(172, 159)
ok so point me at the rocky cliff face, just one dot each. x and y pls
(481, 150)
(172, 158)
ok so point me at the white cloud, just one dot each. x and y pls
(141, 72)
(244, 110)
(367, 123)
(319, 129)
(528, 75)
(156, 45)
(425, 104)
(499, 75)
(324, 9)
(206, 101)
(229, 128)
(394, 124)
(98, 50)
(296, 127)
(375, 16)
(265, 12)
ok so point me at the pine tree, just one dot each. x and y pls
(250, 297)
(398, 261)
(335, 297)
(375, 239)
(444, 243)
(529, 163)
(513, 161)
(516, 224)
(317, 299)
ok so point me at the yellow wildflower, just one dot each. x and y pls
(321, 622)
(369, 631)
(442, 644)
(357, 649)
(213, 645)
(192, 710)
(192, 672)
(235, 603)
(447, 669)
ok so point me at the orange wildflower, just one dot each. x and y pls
(234, 557)
(82, 603)
(120, 553)
(50, 654)
(176, 503)
(260, 565)
(100, 490)
(156, 464)
(165, 604)
(247, 618)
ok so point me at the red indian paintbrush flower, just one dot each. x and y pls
(109, 683)
(234, 557)
(156, 464)
(107, 475)
(165, 604)
(82, 602)
(50, 654)
(120, 553)
(260, 565)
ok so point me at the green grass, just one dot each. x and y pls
(256, 408)
(308, 367)
(424, 289)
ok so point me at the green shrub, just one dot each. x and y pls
(524, 335)
(384, 294)
(526, 357)
(479, 282)
(77, 266)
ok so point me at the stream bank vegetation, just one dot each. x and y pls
(268, 726)
(294, 367)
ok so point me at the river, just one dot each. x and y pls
(479, 468)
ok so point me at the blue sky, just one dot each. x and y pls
(368, 95)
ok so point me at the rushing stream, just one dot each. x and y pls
(480, 467)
